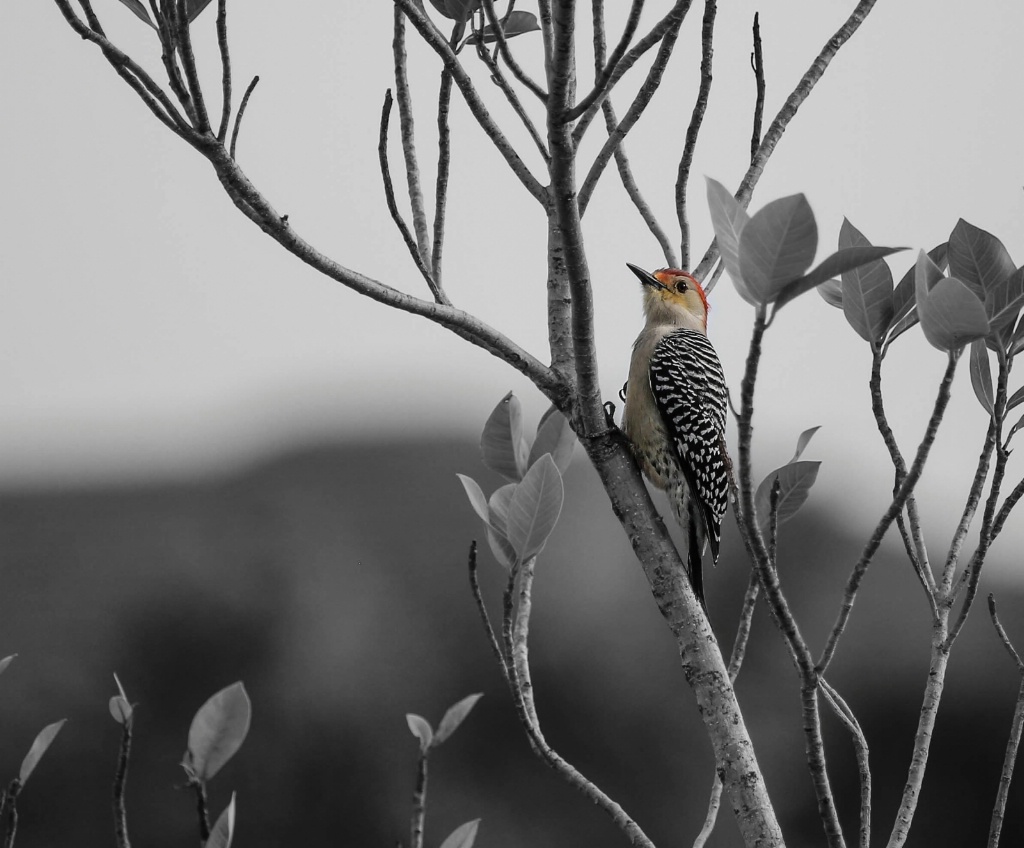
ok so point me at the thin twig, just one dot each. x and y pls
(497, 27)
(389, 194)
(444, 158)
(241, 111)
(1016, 728)
(419, 801)
(673, 19)
(188, 62)
(202, 808)
(120, 778)
(895, 507)
(860, 746)
(225, 63)
(9, 812)
(481, 607)
(986, 537)
(786, 113)
(918, 550)
(746, 519)
(604, 71)
(757, 64)
(498, 78)
(621, 159)
(970, 508)
(131, 72)
(516, 629)
(412, 168)
(707, 40)
(440, 45)
(636, 109)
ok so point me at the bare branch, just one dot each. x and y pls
(419, 801)
(693, 130)
(130, 71)
(906, 487)
(513, 99)
(636, 109)
(786, 113)
(481, 607)
(757, 63)
(396, 216)
(444, 156)
(120, 779)
(439, 44)
(412, 168)
(225, 64)
(1013, 743)
(621, 160)
(923, 737)
(498, 28)
(241, 111)
(183, 37)
(673, 19)
(860, 746)
(604, 71)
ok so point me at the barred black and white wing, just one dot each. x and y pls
(690, 393)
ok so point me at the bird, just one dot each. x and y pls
(675, 409)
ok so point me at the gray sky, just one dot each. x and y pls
(149, 327)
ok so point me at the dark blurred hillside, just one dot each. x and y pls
(333, 582)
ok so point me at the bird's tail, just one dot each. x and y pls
(695, 566)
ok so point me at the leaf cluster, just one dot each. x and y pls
(521, 514)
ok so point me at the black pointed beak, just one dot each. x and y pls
(645, 277)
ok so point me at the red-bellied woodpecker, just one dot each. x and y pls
(675, 410)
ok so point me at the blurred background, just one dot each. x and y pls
(215, 465)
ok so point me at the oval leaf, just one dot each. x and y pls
(803, 441)
(981, 375)
(978, 258)
(840, 261)
(120, 709)
(536, 505)
(554, 436)
(420, 728)
(6, 661)
(463, 836)
(777, 246)
(867, 290)
(516, 24)
(1003, 303)
(218, 730)
(951, 314)
(476, 496)
(1016, 399)
(141, 12)
(728, 219)
(224, 829)
(503, 443)
(498, 507)
(455, 716)
(795, 481)
(39, 746)
(831, 292)
(502, 549)
(904, 297)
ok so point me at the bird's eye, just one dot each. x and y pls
(681, 285)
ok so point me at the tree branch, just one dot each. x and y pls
(786, 114)
(693, 130)
(225, 65)
(636, 109)
(498, 28)
(412, 168)
(241, 111)
(604, 71)
(440, 45)
(396, 216)
(757, 64)
(904, 492)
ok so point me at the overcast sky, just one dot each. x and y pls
(149, 328)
